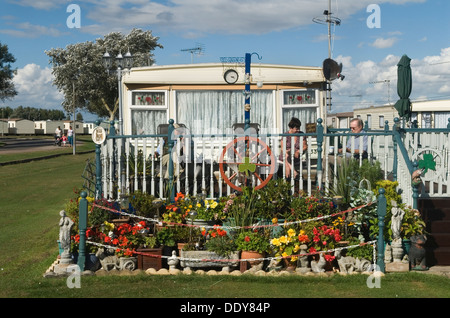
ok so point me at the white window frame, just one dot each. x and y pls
(148, 107)
(316, 97)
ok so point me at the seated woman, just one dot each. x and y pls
(294, 128)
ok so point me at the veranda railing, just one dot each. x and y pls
(128, 163)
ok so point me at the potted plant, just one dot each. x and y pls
(149, 253)
(288, 246)
(253, 245)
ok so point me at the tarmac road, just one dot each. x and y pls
(18, 145)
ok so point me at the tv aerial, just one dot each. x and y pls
(199, 49)
(331, 69)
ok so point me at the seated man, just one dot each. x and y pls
(356, 127)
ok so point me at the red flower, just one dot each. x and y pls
(247, 238)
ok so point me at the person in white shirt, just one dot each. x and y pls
(70, 136)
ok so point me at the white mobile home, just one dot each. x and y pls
(78, 129)
(19, 126)
(202, 97)
(3, 127)
(47, 127)
(429, 114)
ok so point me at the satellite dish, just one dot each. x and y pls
(332, 70)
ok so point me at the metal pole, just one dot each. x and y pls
(73, 127)
(82, 225)
(98, 169)
(381, 210)
(119, 74)
(171, 178)
(248, 58)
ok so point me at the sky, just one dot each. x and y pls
(369, 41)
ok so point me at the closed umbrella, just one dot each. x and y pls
(404, 85)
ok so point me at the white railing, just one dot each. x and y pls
(124, 169)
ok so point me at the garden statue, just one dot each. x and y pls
(303, 260)
(417, 253)
(388, 253)
(65, 227)
(397, 218)
(396, 223)
(108, 259)
(346, 263)
(173, 261)
(318, 266)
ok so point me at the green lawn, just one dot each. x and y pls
(31, 196)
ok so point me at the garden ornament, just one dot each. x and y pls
(65, 226)
(319, 265)
(417, 253)
(107, 260)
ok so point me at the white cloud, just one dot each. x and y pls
(382, 43)
(35, 89)
(28, 30)
(375, 83)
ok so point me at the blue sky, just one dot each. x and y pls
(281, 32)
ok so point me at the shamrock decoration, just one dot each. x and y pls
(427, 162)
(247, 166)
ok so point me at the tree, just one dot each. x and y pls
(7, 89)
(82, 78)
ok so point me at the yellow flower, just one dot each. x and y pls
(275, 242)
(296, 248)
(291, 232)
(199, 205)
(283, 239)
(302, 232)
(274, 220)
(190, 206)
(284, 254)
(214, 204)
(294, 258)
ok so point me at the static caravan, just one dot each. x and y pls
(210, 97)
(78, 129)
(429, 114)
(47, 127)
(3, 127)
(19, 126)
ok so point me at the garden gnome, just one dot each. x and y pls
(65, 227)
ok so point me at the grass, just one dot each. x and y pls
(33, 194)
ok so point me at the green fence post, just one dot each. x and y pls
(171, 144)
(82, 225)
(319, 153)
(381, 211)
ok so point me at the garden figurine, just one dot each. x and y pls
(65, 227)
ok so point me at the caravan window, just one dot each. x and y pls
(217, 111)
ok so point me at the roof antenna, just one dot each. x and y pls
(199, 49)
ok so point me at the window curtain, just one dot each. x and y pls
(441, 119)
(307, 115)
(217, 111)
(145, 122)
